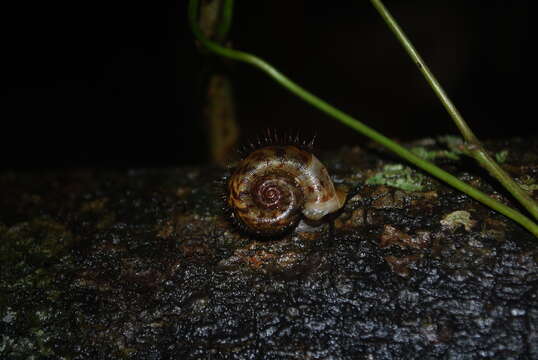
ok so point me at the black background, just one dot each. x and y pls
(117, 83)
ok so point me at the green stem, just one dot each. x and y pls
(357, 125)
(475, 147)
(225, 20)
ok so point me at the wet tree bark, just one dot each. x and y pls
(144, 264)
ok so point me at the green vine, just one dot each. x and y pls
(354, 123)
(473, 147)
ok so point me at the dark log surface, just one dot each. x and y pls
(143, 264)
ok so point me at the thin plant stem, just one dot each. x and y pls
(357, 125)
(474, 147)
(225, 20)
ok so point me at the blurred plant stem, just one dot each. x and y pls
(473, 147)
(355, 124)
(219, 105)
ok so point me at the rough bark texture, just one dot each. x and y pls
(143, 264)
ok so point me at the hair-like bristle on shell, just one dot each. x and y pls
(272, 137)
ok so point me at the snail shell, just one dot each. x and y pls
(274, 186)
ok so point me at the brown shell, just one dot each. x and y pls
(274, 186)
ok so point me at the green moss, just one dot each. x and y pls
(40, 238)
(527, 183)
(501, 156)
(434, 154)
(454, 143)
(399, 176)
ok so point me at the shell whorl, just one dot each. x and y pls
(274, 186)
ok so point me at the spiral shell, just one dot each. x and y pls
(274, 186)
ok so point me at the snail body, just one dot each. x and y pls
(273, 187)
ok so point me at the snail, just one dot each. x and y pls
(275, 186)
